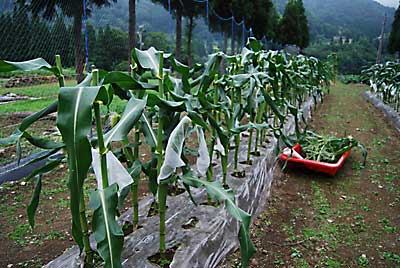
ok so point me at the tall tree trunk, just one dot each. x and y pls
(178, 47)
(189, 42)
(79, 56)
(132, 31)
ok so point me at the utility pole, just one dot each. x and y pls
(381, 39)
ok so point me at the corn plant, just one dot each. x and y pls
(384, 80)
(165, 101)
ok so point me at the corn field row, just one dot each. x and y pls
(384, 80)
(166, 104)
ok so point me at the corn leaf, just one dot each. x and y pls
(74, 122)
(27, 122)
(116, 171)
(30, 65)
(217, 191)
(131, 115)
(31, 209)
(154, 99)
(148, 131)
(107, 232)
(203, 159)
(173, 152)
(33, 204)
(126, 81)
(148, 59)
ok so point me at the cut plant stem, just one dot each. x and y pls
(162, 200)
(250, 141)
(85, 230)
(210, 172)
(100, 138)
(61, 80)
(236, 162)
(162, 187)
(224, 162)
(259, 115)
(135, 185)
(249, 146)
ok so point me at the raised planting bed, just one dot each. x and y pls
(202, 235)
(321, 167)
(389, 112)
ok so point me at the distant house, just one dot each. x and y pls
(342, 40)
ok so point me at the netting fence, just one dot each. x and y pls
(39, 28)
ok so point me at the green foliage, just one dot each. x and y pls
(31, 209)
(293, 27)
(350, 79)
(156, 39)
(351, 57)
(384, 81)
(74, 122)
(110, 48)
(31, 43)
(109, 237)
(329, 18)
(394, 38)
(257, 85)
(217, 191)
(327, 148)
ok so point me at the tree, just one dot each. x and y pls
(111, 48)
(156, 39)
(222, 8)
(7, 30)
(177, 8)
(260, 15)
(293, 27)
(394, 38)
(191, 10)
(60, 37)
(132, 31)
(273, 23)
(70, 8)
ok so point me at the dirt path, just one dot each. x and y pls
(351, 220)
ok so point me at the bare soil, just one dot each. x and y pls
(22, 247)
(350, 220)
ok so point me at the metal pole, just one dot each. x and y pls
(381, 41)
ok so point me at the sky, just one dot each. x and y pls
(390, 3)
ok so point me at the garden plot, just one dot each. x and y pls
(11, 97)
(392, 116)
(351, 220)
(200, 235)
(252, 96)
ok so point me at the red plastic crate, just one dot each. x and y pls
(322, 167)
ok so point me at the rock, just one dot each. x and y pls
(254, 262)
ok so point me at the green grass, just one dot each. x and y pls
(45, 93)
(26, 106)
(68, 72)
(37, 91)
